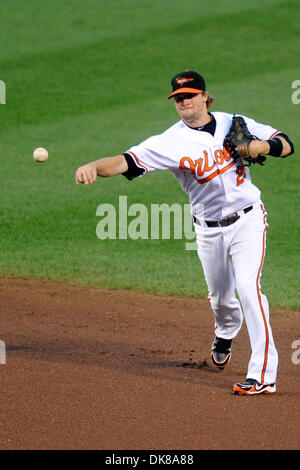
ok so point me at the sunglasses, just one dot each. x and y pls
(184, 96)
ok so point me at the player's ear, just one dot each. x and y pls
(205, 96)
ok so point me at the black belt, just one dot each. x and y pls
(224, 222)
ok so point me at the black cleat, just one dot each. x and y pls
(221, 352)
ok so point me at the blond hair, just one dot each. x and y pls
(210, 100)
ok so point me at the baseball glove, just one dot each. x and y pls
(237, 141)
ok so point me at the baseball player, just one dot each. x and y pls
(229, 217)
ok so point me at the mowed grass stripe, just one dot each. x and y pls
(50, 25)
(129, 67)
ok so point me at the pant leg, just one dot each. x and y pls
(247, 252)
(219, 276)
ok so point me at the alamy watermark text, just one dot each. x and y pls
(137, 221)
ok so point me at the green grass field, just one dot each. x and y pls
(87, 79)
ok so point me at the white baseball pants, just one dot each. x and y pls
(232, 259)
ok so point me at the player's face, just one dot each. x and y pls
(191, 107)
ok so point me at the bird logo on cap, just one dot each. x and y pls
(182, 80)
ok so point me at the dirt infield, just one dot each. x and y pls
(96, 369)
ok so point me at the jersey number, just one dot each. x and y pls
(241, 174)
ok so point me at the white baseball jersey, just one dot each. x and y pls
(205, 169)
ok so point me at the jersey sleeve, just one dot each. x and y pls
(134, 170)
(261, 131)
(146, 157)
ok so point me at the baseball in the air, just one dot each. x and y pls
(40, 155)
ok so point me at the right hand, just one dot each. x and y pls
(257, 147)
(86, 174)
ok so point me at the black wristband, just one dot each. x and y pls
(275, 147)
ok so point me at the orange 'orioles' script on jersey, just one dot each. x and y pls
(202, 168)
